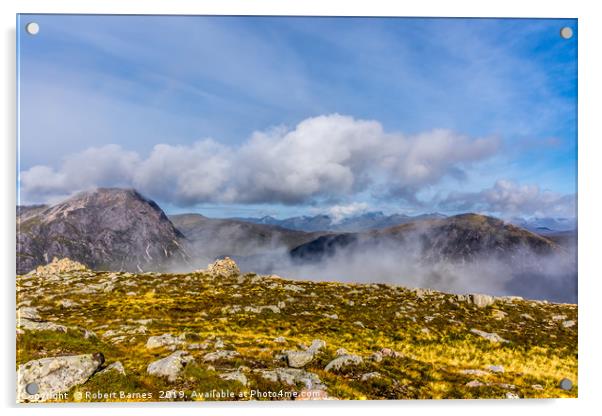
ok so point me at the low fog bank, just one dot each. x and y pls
(518, 271)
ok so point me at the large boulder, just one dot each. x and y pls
(48, 377)
(171, 366)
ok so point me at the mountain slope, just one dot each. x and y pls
(113, 229)
(212, 237)
(459, 238)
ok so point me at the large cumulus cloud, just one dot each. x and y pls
(325, 158)
(510, 198)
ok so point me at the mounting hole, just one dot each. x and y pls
(32, 28)
(566, 384)
(32, 388)
(566, 32)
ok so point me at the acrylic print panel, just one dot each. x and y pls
(293, 208)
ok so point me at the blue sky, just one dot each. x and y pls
(122, 100)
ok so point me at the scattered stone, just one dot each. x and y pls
(376, 357)
(360, 324)
(499, 315)
(293, 288)
(474, 372)
(388, 352)
(55, 375)
(496, 368)
(116, 366)
(341, 351)
(298, 359)
(220, 355)
(165, 340)
(30, 313)
(280, 340)
(343, 361)
(170, 366)
(480, 300)
(292, 376)
(236, 376)
(490, 336)
(333, 316)
(66, 303)
(219, 344)
(537, 387)
(29, 325)
(510, 395)
(558, 317)
(474, 383)
(568, 324)
(368, 376)
(527, 316)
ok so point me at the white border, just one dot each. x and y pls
(590, 209)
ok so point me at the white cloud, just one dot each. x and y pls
(510, 198)
(340, 212)
(325, 158)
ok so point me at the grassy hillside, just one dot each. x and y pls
(413, 344)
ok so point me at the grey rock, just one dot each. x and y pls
(492, 337)
(496, 368)
(343, 361)
(171, 366)
(116, 366)
(298, 359)
(55, 375)
(480, 300)
(236, 376)
(568, 324)
(510, 395)
(28, 325)
(474, 372)
(474, 383)
(368, 376)
(165, 340)
(292, 376)
(220, 355)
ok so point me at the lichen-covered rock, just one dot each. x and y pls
(29, 325)
(56, 266)
(235, 376)
(480, 300)
(116, 366)
(292, 376)
(490, 336)
(165, 340)
(223, 267)
(171, 366)
(343, 361)
(54, 375)
(220, 355)
(298, 359)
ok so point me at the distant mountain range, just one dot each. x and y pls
(377, 220)
(362, 222)
(119, 229)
